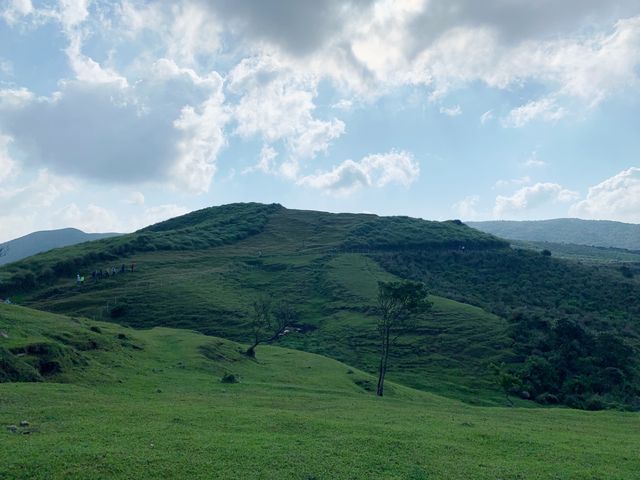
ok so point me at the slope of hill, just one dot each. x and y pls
(124, 403)
(599, 233)
(37, 242)
(203, 270)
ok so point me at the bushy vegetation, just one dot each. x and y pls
(569, 315)
(405, 234)
(563, 362)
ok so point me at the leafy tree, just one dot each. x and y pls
(507, 381)
(398, 305)
(268, 323)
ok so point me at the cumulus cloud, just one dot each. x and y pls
(375, 170)
(123, 134)
(530, 198)
(616, 198)
(277, 103)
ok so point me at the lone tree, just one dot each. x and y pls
(268, 322)
(507, 381)
(398, 305)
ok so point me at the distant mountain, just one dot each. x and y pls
(37, 242)
(598, 233)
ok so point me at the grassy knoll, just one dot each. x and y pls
(150, 404)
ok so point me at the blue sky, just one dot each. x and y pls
(117, 114)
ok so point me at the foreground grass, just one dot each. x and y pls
(150, 404)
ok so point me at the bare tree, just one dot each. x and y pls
(268, 323)
(398, 305)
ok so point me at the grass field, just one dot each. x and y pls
(150, 404)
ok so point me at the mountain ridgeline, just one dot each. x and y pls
(37, 242)
(598, 233)
(492, 305)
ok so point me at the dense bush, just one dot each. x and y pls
(405, 234)
(567, 320)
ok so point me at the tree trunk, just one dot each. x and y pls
(384, 358)
(251, 351)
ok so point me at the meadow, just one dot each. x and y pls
(151, 404)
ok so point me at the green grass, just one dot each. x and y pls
(160, 411)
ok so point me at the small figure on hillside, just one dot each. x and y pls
(113, 271)
(122, 268)
(133, 266)
(100, 273)
(78, 279)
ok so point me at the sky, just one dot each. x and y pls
(118, 114)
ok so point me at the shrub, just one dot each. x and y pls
(230, 378)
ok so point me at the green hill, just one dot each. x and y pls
(114, 402)
(37, 242)
(202, 271)
(598, 233)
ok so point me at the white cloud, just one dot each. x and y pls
(514, 181)
(616, 198)
(486, 117)
(73, 12)
(545, 109)
(15, 98)
(42, 192)
(95, 219)
(88, 70)
(135, 198)
(202, 139)
(530, 198)
(534, 162)
(15, 10)
(265, 161)
(467, 207)
(451, 111)
(376, 170)
(8, 166)
(277, 103)
(316, 137)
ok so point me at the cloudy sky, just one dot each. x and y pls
(117, 114)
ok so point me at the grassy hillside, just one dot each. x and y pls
(150, 404)
(37, 242)
(203, 270)
(599, 233)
